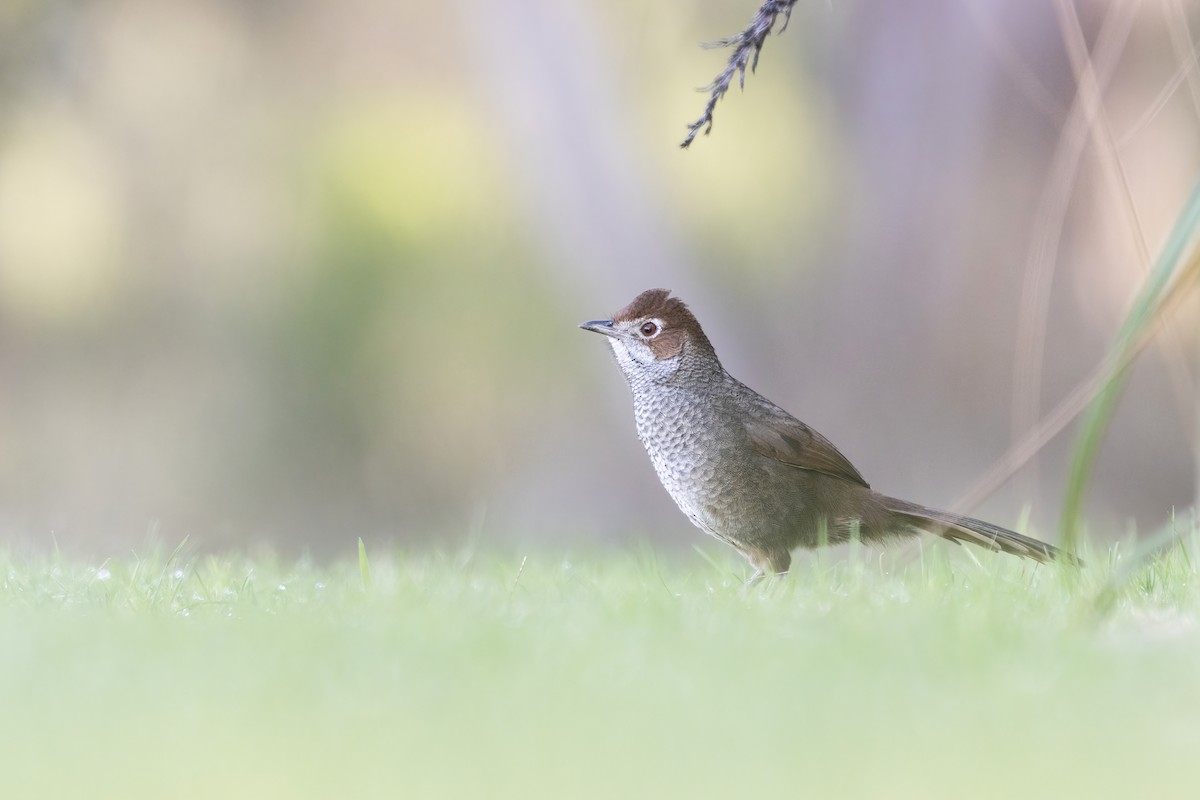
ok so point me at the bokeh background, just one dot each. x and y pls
(300, 272)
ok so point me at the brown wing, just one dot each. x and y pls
(778, 435)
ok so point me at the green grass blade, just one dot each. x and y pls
(1141, 315)
(1123, 571)
(364, 566)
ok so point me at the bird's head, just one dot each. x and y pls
(653, 336)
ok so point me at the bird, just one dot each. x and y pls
(747, 472)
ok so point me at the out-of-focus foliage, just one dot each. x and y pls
(301, 271)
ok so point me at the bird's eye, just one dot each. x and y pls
(649, 329)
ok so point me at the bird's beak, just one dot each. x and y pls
(604, 326)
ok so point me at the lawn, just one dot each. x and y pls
(898, 673)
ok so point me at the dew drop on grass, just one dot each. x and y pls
(103, 575)
(281, 588)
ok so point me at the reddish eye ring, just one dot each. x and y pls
(648, 329)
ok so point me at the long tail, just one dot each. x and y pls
(958, 528)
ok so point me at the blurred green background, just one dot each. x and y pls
(300, 272)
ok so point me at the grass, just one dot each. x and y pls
(604, 675)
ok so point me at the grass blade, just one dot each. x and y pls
(1143, 313)
(364, 566)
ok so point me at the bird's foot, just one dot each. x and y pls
(759, 576)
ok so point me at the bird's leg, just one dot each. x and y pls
(775, 564)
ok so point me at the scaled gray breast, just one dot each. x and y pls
(687, 435)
